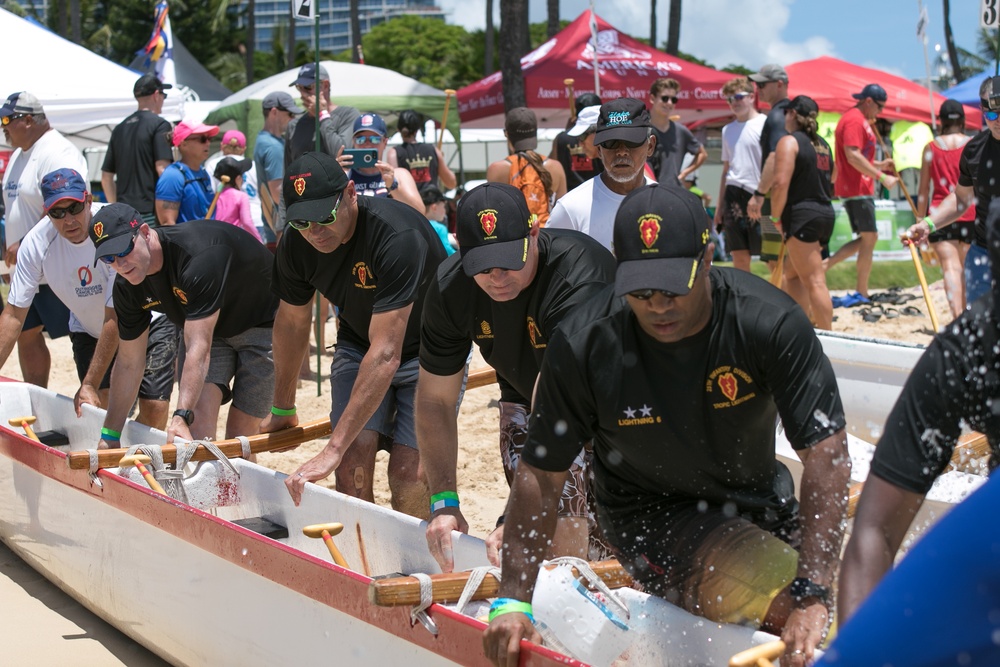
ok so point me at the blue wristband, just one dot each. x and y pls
(443, 503)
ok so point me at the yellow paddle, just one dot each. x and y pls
(327, 531)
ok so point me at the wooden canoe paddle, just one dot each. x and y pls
(265, 442)
(25, 423)
(758, 656)
(140, 461)
(327, 531)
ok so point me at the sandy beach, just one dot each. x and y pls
(39, 625)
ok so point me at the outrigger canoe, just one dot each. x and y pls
(223, 573)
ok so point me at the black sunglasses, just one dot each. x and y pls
(72, 209)
(669, 98)
(303, 225)
(7, 120)
(110, 259)
(618, 143)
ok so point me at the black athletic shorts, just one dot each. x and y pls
(861, 213)
(49, 312)
(809, 222)
(161, 353)
(963, 232)
(741, 232)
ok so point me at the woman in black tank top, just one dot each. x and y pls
(800, 206)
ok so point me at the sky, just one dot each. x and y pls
(754, 32)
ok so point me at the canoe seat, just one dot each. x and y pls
(53, 438)
(265, 527)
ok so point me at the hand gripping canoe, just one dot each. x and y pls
(265, 442)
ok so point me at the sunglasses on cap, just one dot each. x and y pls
(7, 120)
(672, 99)
(110, 259)
(372, 139)
(737, 97)
(72, 209)
(303, 225)
(619, 143)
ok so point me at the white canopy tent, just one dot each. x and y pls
(84, 95)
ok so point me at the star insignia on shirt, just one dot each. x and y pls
(646, 410)
(629, 412)
(149, 299)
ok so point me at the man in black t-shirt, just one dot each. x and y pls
(424, 161)
(568, 147)
(678, 374)
(673, 140)
(956, 383)
(139, 150)
(772, 88)
(507, 291)
(977, 186)
(374, 257)
(198, 276)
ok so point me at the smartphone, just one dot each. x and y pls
(363, 157)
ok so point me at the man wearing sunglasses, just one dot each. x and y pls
(978, 185)
(857, 173)
(772, 89)
(673, 140)
(678, 373)
(58, 251)
(624, 139)
(740, 173)
(39, 149)
(509, 289)
(184, 190)
(139, 150)
(379, 178)
(213, 281)
(374, 258)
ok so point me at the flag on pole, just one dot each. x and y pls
(922, 25)
(159, 49)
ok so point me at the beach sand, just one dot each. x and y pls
(41, 626)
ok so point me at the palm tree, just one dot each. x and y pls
(949, 40)
(674, 29)
(490, 35)
(355, 12)
(553, 23)
(652, 23)
(251, 40)
(513, 35)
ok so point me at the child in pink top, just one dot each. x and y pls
(234, 204)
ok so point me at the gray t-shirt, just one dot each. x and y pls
(671, 147)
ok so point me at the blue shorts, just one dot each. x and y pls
(394, 416)
(49, 312)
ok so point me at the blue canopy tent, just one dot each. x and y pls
(967, 92)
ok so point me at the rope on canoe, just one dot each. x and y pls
(419, 612)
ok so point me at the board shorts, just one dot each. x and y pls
(394, 417)
(712, 564)
(861, 214)
(741, 232)
(161, 353)
(245, 361)
(809, 222)
(49, 312)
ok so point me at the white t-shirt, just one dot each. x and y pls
(249, 185)
(741, 149)
(22, 182)
(70, 272)
(589, 208)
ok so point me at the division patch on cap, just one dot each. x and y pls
(300, 185)
(99, 231)
(649, 230)
(488, 221)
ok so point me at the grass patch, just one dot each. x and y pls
(885, 274)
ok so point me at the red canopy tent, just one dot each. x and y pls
(831, 82)
(626, 68)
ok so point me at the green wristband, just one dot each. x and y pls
(282, 412)
(510, 606)
(930, 223)
(110, 434)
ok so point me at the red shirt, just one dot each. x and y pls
(943, 169)
(853, 130)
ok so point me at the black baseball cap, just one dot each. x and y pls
(232, 167)
(112, 229)
(492, 230)
(624, 119)
(989, 93)
(311, 187)
(147, 85)
(660, 236)
(307, 75)
(874, 91)
(587, 100)
(951, 110)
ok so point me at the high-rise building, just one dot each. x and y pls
(271, 18)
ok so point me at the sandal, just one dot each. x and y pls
(891, 313)
(912, 311)
(870, 314)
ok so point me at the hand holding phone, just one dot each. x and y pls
(362, 157)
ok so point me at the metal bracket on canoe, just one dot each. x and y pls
(419, 611)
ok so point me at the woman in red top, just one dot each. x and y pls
(938, 176)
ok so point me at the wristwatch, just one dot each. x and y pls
(186, 415)
(802, 589)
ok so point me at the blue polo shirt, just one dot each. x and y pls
(193, 189)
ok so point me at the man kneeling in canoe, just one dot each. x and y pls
(198, 275)
(507, 290)
(373, 257)
(679, 385)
